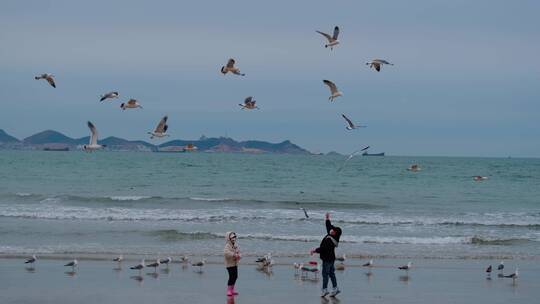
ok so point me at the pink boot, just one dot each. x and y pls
(234, 291)
(230, 291)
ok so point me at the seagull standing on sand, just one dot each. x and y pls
(139, 266)
(161, 129)
(48, 77)
(155, 265)
(488, 271)
(513, 276)
(305, 212)
(109, 95)
(93, 145)
(368, 264)
(332, 40)
(351, 125)
(31, 260)
(231, 68)
(199, 264)
(131, 104)
(166, 261)
(333, 90)
(72, 264)
(249, 103)
(119, 259)
(406, 267)
(377, 64)
(501, 266)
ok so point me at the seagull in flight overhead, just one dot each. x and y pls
(333, 90)
(48, 77)
(131, 104)
(161, 129)
(110, 95)
(231, 68)
(249, 103)
(377, 64)
(351, 156)
(93, 145)
(351, 125)
(332, 40)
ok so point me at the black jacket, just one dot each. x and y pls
(327, 247)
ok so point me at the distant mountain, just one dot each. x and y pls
(53, 140)
(6, 138)
(49, 137)
(225, 144)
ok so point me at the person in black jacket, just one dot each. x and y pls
(328, 256)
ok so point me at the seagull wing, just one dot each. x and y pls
(230, 63)
(132, 102)
(336, 33)
(348, 121)
(162, 125)
(94, 137)
(331, 85)
(377, 66)
(248, 100)
(50, 80)
(325, 35)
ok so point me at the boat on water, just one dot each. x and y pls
(372, 154)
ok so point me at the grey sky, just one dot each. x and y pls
(465, 80)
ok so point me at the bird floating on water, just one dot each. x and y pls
(332, 40)
(48, 77)
(249, 103)
(333, 90)
(231, 68)
(479, 178)
(161, 129)
(377, 64)
(414, 168)
(109, 95)
(92, 144)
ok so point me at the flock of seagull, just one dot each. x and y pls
(264, 264)
(249, 103)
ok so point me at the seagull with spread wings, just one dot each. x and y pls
(93, 145)
(351, 156)
(249, 103)
(332, 40)
(161, 129)
(131, 104)
(109, 95)
(377, 64)
(351, 125)
(333, 90)
(231, 68)
(48, 77)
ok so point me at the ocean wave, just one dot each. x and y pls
(129, 198)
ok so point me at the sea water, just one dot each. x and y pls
(72, 203)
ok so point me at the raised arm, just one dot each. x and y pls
(328, 223)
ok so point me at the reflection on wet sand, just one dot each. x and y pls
(71, 273)
(404, 278)
(30, 269)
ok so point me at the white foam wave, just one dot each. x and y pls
(209, 199)
(128, 198)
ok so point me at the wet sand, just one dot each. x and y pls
(430, 281)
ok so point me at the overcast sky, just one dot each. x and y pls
(466, 79)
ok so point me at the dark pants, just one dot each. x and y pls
(233, 275)
(328, 270)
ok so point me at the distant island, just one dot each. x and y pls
(51, 140)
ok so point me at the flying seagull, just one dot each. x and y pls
(31, 260)
(377, 64)
(351, 125)
(332, 40)
(48, 77)
(131, 104)
(249, 103)
(333, 90)
(110, 95)
(93, 145)
(161, 129)
(351, 156)
(231, 68)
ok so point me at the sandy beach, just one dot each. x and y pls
(430, 281)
